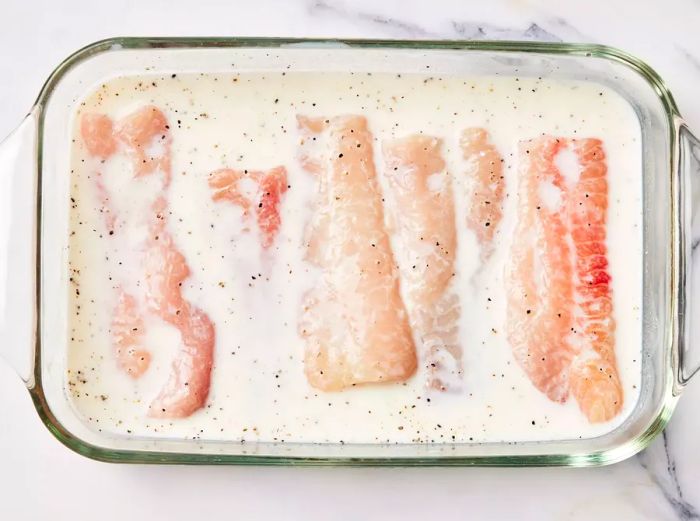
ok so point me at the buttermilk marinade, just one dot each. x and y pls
(252, 290)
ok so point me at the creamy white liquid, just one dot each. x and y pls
(258, 389)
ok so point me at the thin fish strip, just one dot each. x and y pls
(486, 186)
(420, 203)
(594, 379)
(271, 186)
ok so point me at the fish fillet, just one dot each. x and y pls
(165, 270)
(422, 213)
(353, 321)
(540, 276)
(560, 305)
(486, 186)
(144, 136)
(127, 327)
(594, 379)
(271, 186)
(127, 333)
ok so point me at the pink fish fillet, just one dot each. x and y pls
(353, 321)
(271, 186)
(165, 271)
(146, 134)
(97, 132)
(594, 380)
(560, 304)
(127, 326)
(127, 334)
(145, 137)
(540, 276)
(421, 208)
(486, 186)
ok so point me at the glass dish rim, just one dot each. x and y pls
(95, 452)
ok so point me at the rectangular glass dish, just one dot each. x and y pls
(35, 184)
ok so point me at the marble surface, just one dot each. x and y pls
(40, 478)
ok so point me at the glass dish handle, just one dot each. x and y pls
(688, 356)
(18, 217)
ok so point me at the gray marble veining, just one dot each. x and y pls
(390, 24)
(691, 57)
(660, 463)
(483, 31)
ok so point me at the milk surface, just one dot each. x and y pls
(258, 389)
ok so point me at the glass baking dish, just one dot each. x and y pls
(34, 187)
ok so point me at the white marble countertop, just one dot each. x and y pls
(40, 478)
